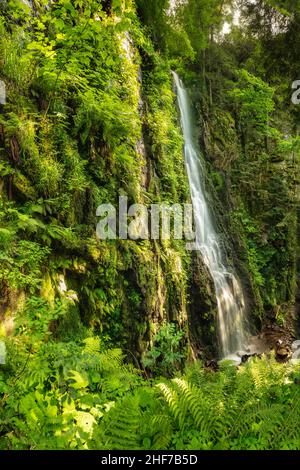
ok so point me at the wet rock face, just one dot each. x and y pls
(202, 310)
(257, 346)
(274, 335)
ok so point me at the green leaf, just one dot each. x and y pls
(78, 380)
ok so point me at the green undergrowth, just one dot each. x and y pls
(81, 395)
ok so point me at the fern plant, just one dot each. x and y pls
(247, 409)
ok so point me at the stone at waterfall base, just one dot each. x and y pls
(258, 346)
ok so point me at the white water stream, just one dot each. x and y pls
(230, 298)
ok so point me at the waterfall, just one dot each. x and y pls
(230, 299)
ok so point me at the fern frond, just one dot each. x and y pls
(92, 345)
(171, 398)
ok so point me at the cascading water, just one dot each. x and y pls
(230, 299)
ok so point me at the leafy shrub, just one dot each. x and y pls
(21, 264)
(166, 355)
(54, 393)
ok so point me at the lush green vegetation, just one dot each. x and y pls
(79, 395)
(58, 395)
(107, 340)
